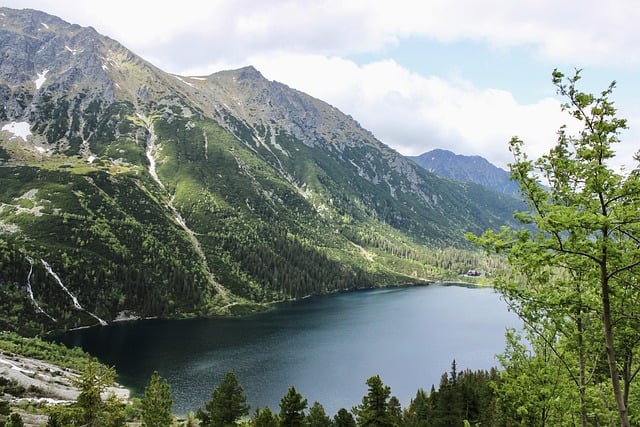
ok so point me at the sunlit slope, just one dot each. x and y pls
(161, 195)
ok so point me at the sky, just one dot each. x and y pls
(461, 75)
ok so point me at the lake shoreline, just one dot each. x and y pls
(301, 342)
(126, 316)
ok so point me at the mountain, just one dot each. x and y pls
(474, 169)
(125, 190)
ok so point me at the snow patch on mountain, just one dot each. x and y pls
(18, 129)
(41, 79)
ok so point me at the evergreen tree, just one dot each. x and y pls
(113, 412)
(343, 419)
(317, 416)
(418, 412)
(265, 418)
(448, 401)
(374, 409)
(94, 380)
(14, 420)
(292, 407)
(395, 410)
(65, 416)
(227, 405)
(157, 402)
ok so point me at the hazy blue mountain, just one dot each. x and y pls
(475, 169)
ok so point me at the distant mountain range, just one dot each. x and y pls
(125, 190)
(475, 169)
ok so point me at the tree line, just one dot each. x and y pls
(464, 398)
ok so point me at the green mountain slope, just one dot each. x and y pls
(163, 195)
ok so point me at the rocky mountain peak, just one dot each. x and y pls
(474, 169)
(248, 73)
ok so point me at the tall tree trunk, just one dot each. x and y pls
(583, 409)
(611, 353)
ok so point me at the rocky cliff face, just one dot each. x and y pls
(43, 54)
(170, 195)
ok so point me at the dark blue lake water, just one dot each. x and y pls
(325, 346)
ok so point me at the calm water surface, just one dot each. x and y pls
(326, 346)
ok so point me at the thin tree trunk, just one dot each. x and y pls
(583, 410)
(611, 354)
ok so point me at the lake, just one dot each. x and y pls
(326, 346)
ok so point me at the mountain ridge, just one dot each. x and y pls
(474, 169)
(165, 195)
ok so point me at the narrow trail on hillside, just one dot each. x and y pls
(150, 152)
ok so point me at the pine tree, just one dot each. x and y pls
(94, 380)
(113, 412)
(228, 404)
(156, 405)
(395, 410)
(65, 416)
(419, 410)
(292, 408)
(343, 419)
(265, 418)
(374, 409)
(317, 416)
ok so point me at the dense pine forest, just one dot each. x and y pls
(150, 282)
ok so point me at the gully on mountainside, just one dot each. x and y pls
(150, 153)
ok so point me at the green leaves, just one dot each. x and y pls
(570, 279)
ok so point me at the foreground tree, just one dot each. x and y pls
(264, 418)
(418, 413)
(64, 416)
(113, 413)
(156, 405)
(292, 406)
(575, 270)
(94, 380)
(343, 419)
(90, 409)
(375, 409)
(535, 388)
(317, 416)
(227, 405)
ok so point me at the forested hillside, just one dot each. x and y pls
(127, 190)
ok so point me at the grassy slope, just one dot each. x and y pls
(271, 226)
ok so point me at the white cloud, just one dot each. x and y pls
(587, 32)
(304, 44)
(413, 113)
(181, 35)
